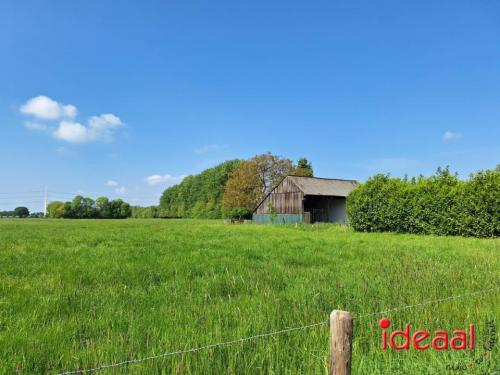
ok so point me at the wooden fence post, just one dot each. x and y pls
(340, 343)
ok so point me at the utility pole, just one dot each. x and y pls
(45, 204)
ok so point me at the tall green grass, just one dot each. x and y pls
(78, 294)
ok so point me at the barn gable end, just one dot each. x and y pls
(305, 199)
(285, 198)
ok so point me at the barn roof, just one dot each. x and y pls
(324, 186)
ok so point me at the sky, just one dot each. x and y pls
(126, 98)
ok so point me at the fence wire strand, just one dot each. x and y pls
(429, 302)
(263, 335)
(196, 349)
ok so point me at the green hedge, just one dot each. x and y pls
(441, 204)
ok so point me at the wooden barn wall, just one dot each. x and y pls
(286, 198)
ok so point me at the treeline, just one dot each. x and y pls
(198, 196)
(21, 212)
(231, 189)
(86, 208)
(149, 212)
(441, 204)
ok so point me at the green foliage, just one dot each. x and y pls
(86, 208)
(272, 213)
(82, 207)
(21, 212)
(149, 212)
(75, 296)
(198, 196)
(254, 179)
(37, 215)
(6, 213)
(240, 213)
(441, 204)
(304, 168)
(103, 206)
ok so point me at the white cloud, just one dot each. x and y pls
(449, 136)
(111, 183)
(166, 178)
(71, 132)
(121, 190)
(99, 128)
(210, 148)
(43, 107)
(35, 126)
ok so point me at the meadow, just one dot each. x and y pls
(76, 294)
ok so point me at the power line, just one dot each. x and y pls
(112, 194)
(20, 195)
(20, 198)
(21, 192)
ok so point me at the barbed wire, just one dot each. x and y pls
(286, 330)
(429, 302)
(40, 194)
(196, 349)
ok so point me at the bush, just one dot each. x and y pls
(240, 213)
(21, 212)
(441, 204)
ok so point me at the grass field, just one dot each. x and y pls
(78, 294)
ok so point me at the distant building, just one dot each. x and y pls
(305, 199)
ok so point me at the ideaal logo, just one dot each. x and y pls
(464, 339)
(423, 340)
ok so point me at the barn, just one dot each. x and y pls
(305, 200)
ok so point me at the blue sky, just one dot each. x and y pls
(97, 96)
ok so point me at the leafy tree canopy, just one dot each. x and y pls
(304, 168)
(21, 212)
(252, 181)
(198, 196)
(86, 208)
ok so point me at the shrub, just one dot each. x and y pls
(240, 213)
(441, 204)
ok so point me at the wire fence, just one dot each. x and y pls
(269, 334)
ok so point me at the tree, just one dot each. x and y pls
(68, 211)
(21, 212)
(198, 195)
(125, 210)
(55, 209)
(243, 190)
(271, 169)
(144, 212)
(304, 168)
(76, 205)
(115, 206)
(103, 206)
(253, 180)
(83, 207)
(86, 208)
